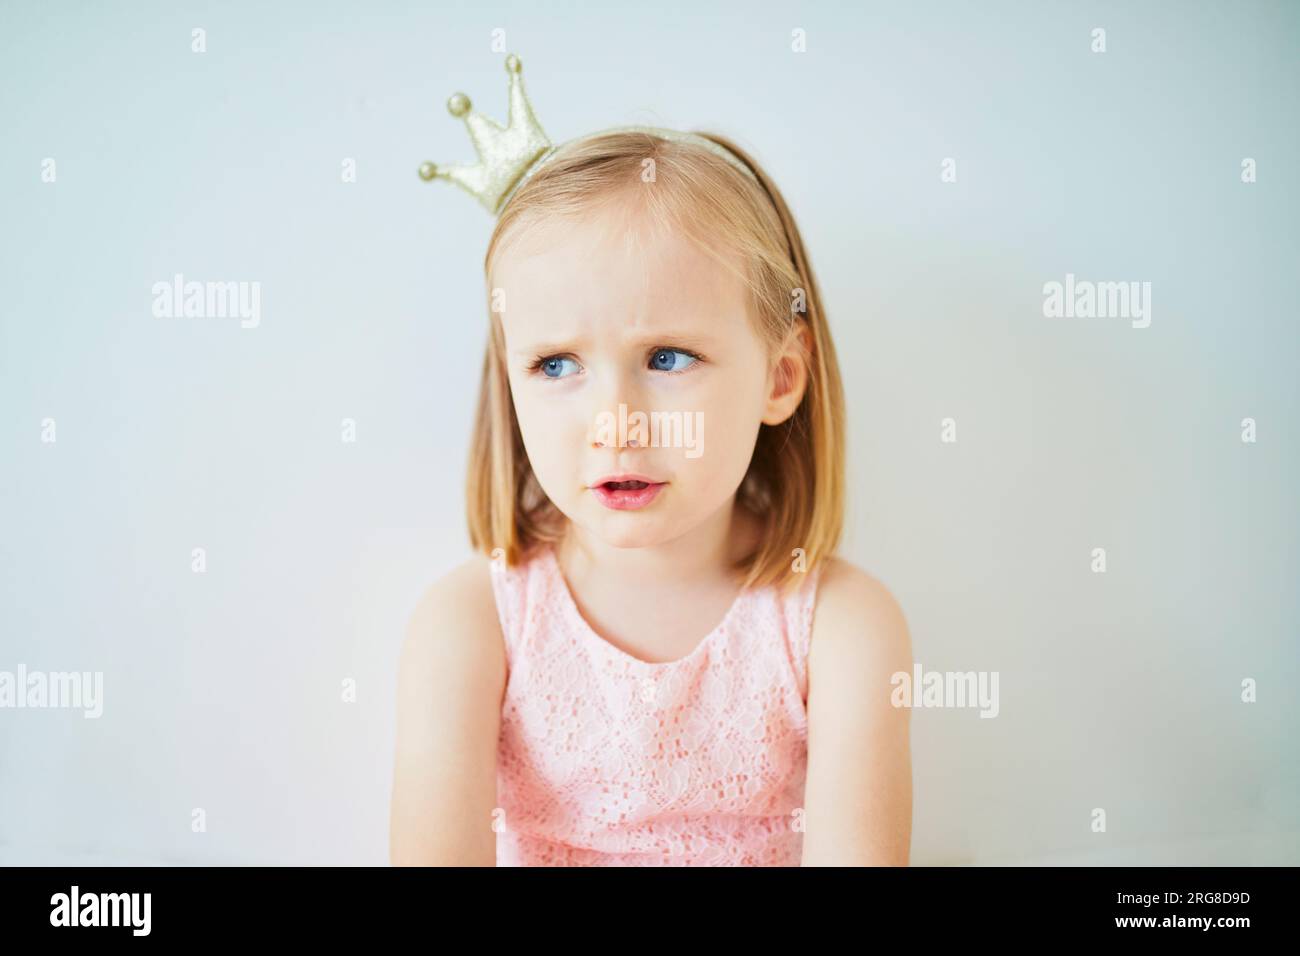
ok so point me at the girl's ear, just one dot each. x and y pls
(789, 376)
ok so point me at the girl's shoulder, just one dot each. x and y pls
(455, 618)
(856, 619)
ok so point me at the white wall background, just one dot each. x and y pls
(222, 690)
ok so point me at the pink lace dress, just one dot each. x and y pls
(608, 760)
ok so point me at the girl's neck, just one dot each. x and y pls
(705, 554)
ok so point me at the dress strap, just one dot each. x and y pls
(799, 611)
(510, 588)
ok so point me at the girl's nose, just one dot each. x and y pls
(609, 425)
(616, 399)
(611, 430)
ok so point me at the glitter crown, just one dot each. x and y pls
(509, 155)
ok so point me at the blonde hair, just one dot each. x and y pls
(795, 481)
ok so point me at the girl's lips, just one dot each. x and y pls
(627, 499)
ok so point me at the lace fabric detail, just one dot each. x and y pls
(605, 759)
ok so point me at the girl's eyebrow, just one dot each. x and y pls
(545, 348)
(693, 339)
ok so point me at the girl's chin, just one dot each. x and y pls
(628, 529)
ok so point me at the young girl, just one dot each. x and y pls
(655, 659)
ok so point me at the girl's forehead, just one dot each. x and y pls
(611, 263)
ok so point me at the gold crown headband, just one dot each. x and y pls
(509, 156)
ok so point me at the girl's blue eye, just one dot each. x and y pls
(553, 367)
(666, 360)
(663, 360)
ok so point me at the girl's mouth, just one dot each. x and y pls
(627, 495)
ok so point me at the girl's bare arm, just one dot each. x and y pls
(451, 681)
(858, 798)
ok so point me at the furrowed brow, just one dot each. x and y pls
(666, 337)
(553, 347)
